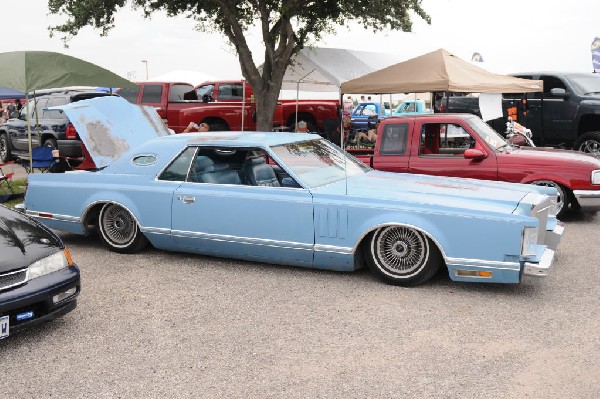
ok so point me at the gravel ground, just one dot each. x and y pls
(161, 324)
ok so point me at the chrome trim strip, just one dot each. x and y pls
(25, 269)
(333, 249)
(55, 216)
(243, 240)
(487, 264)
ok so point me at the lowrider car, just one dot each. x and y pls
(38, 279)
(289, 199)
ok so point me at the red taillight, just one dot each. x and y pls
(71, 133)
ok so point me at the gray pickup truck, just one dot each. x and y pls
(566, 114)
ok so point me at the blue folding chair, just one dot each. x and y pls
(41, 158)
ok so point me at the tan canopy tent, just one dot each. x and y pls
(438, 71)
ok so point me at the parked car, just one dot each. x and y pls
(462, 145)
(292, 199)
(224, 105)
(48, 127)
(38, 279)
(367, 112)
(411, 107)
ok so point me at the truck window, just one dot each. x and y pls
(130, 95)
(552, 82)
(206, 90)
(152, 94)
(181, 92)
(230, 91)
(394, 139)
(444, 139)
(55, 113)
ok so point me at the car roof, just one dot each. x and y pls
(238, 139)
(435, 116)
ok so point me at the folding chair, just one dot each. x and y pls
(41, 157)
(6, 189)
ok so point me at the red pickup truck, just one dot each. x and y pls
(462, 145)
(221, 104)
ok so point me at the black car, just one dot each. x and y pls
(38, 279)
(48, 127)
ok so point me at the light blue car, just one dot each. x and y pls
(289, 199)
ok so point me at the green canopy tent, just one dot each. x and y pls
(28, 71)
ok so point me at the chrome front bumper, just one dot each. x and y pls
(553, 237)
(541, 268)
(589, 200)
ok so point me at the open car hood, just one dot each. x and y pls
(111, 126)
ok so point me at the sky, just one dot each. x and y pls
(511, 36)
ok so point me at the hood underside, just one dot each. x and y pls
(111, 126)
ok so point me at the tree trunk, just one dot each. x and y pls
(266, 104)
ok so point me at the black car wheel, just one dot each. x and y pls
(589, 142)
(119, 230)
(50, 143)
(402, 256)
(5, 155)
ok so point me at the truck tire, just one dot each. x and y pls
(5, 154)
(218, 127)
(50, 142)
(589, 143)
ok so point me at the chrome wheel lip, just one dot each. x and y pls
(117, 225)
(400, 252)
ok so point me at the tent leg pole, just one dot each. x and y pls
(29, 130)
(297, 97)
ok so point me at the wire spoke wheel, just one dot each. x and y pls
(590, 147)
(119, 229)
(403, 255)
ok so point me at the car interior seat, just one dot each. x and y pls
(219, 173)
(259, 173)
(200, 164)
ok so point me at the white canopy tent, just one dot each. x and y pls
(183, 76)
(325, 69)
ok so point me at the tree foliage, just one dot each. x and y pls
(286, 27)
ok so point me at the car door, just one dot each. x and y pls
(441, 152)
(19, 132)
(231, 219)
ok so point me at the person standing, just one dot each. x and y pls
(348, 105)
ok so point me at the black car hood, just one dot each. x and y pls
(22, 241)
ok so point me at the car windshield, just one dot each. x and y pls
(586, 83)
(489, 135)
(318, 162)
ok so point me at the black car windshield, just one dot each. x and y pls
(489, 135)
(318, 162)
(585, 83)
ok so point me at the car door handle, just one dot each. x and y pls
(186, 199)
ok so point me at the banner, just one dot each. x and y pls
(596, 54)
(477, 57)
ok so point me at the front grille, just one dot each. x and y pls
(8, 280)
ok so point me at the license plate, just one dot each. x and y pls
(4, 327)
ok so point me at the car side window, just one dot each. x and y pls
(152, 94)
(181, 92)
(394, 139)
(179, 167)
(444, 139)
(250, 167)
